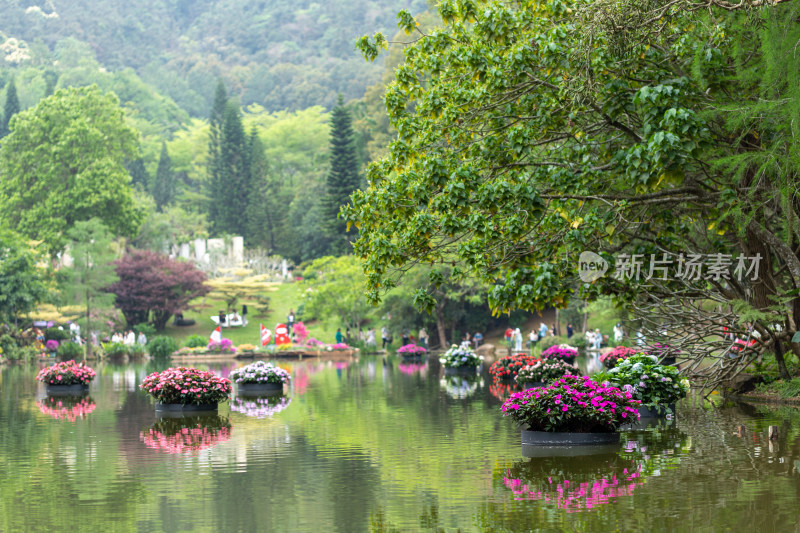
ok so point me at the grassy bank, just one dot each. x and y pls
(283, 298)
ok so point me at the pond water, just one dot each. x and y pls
(374, 445)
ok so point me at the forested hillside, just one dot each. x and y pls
(280, 54)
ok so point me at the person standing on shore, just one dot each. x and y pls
(423, 337)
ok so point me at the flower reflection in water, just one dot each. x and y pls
(260, 407)
(583, 483)
(412, 368)
(574, 483)
(502, 391)
(460, 387)
(67, 408)
(186, 434)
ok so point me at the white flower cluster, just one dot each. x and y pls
(458, 356)
(260, 372)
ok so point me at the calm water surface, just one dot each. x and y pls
(374, 445)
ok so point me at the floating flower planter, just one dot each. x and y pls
(260, 378)
(66, 379)
(574, 411)
(657, 387)
(460, 360)
(412, 351)
(562, 352)
(186, 390)
(507, 367)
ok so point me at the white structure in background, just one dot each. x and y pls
(211, 255)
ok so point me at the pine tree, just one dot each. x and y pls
(342, 180)
(234, 174)
(163, 189)
(215, 185)
(10, 109)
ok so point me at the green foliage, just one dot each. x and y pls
(648, 381)
(63, 163)
(91, 271)
(148, 329)
(784, 389)
(549, 341)
(69, 350)
(115, 349)
(55, 334)
(22, 281)
(196, 341)
(333, 287)
(161, 346)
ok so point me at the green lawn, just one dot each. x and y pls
(284, 297)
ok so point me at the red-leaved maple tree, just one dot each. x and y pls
(152, 286)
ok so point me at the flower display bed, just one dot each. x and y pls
(184, 389)
(66, 379)
(260, 378)
(571, 405)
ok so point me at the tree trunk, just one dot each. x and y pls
(441, 328)
(585, 315)
(88, 350)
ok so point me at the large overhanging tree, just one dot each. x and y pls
(529, 132)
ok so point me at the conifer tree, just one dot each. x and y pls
(234, 174)
(10, 108)
(268, 203)
(214, 184)
(139, 176)
(343, 179)
(163, 188)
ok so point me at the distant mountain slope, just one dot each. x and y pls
(281, 54)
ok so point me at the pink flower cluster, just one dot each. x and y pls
(186, 436)
(610, 359)
(186, 386)
(411, 349)
(560, 352)
(314, 342)
(339, 346)
(66, 373)
(573, 404)
(66, 409)
(223, 346)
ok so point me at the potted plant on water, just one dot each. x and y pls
(657, 387)
(460, 359)
(564, 352)
(610, 359)
(544, 372)
(572, 411)
(66, 377)
(260, 378)
(184, 389)
(507, 366)
(412, 351)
